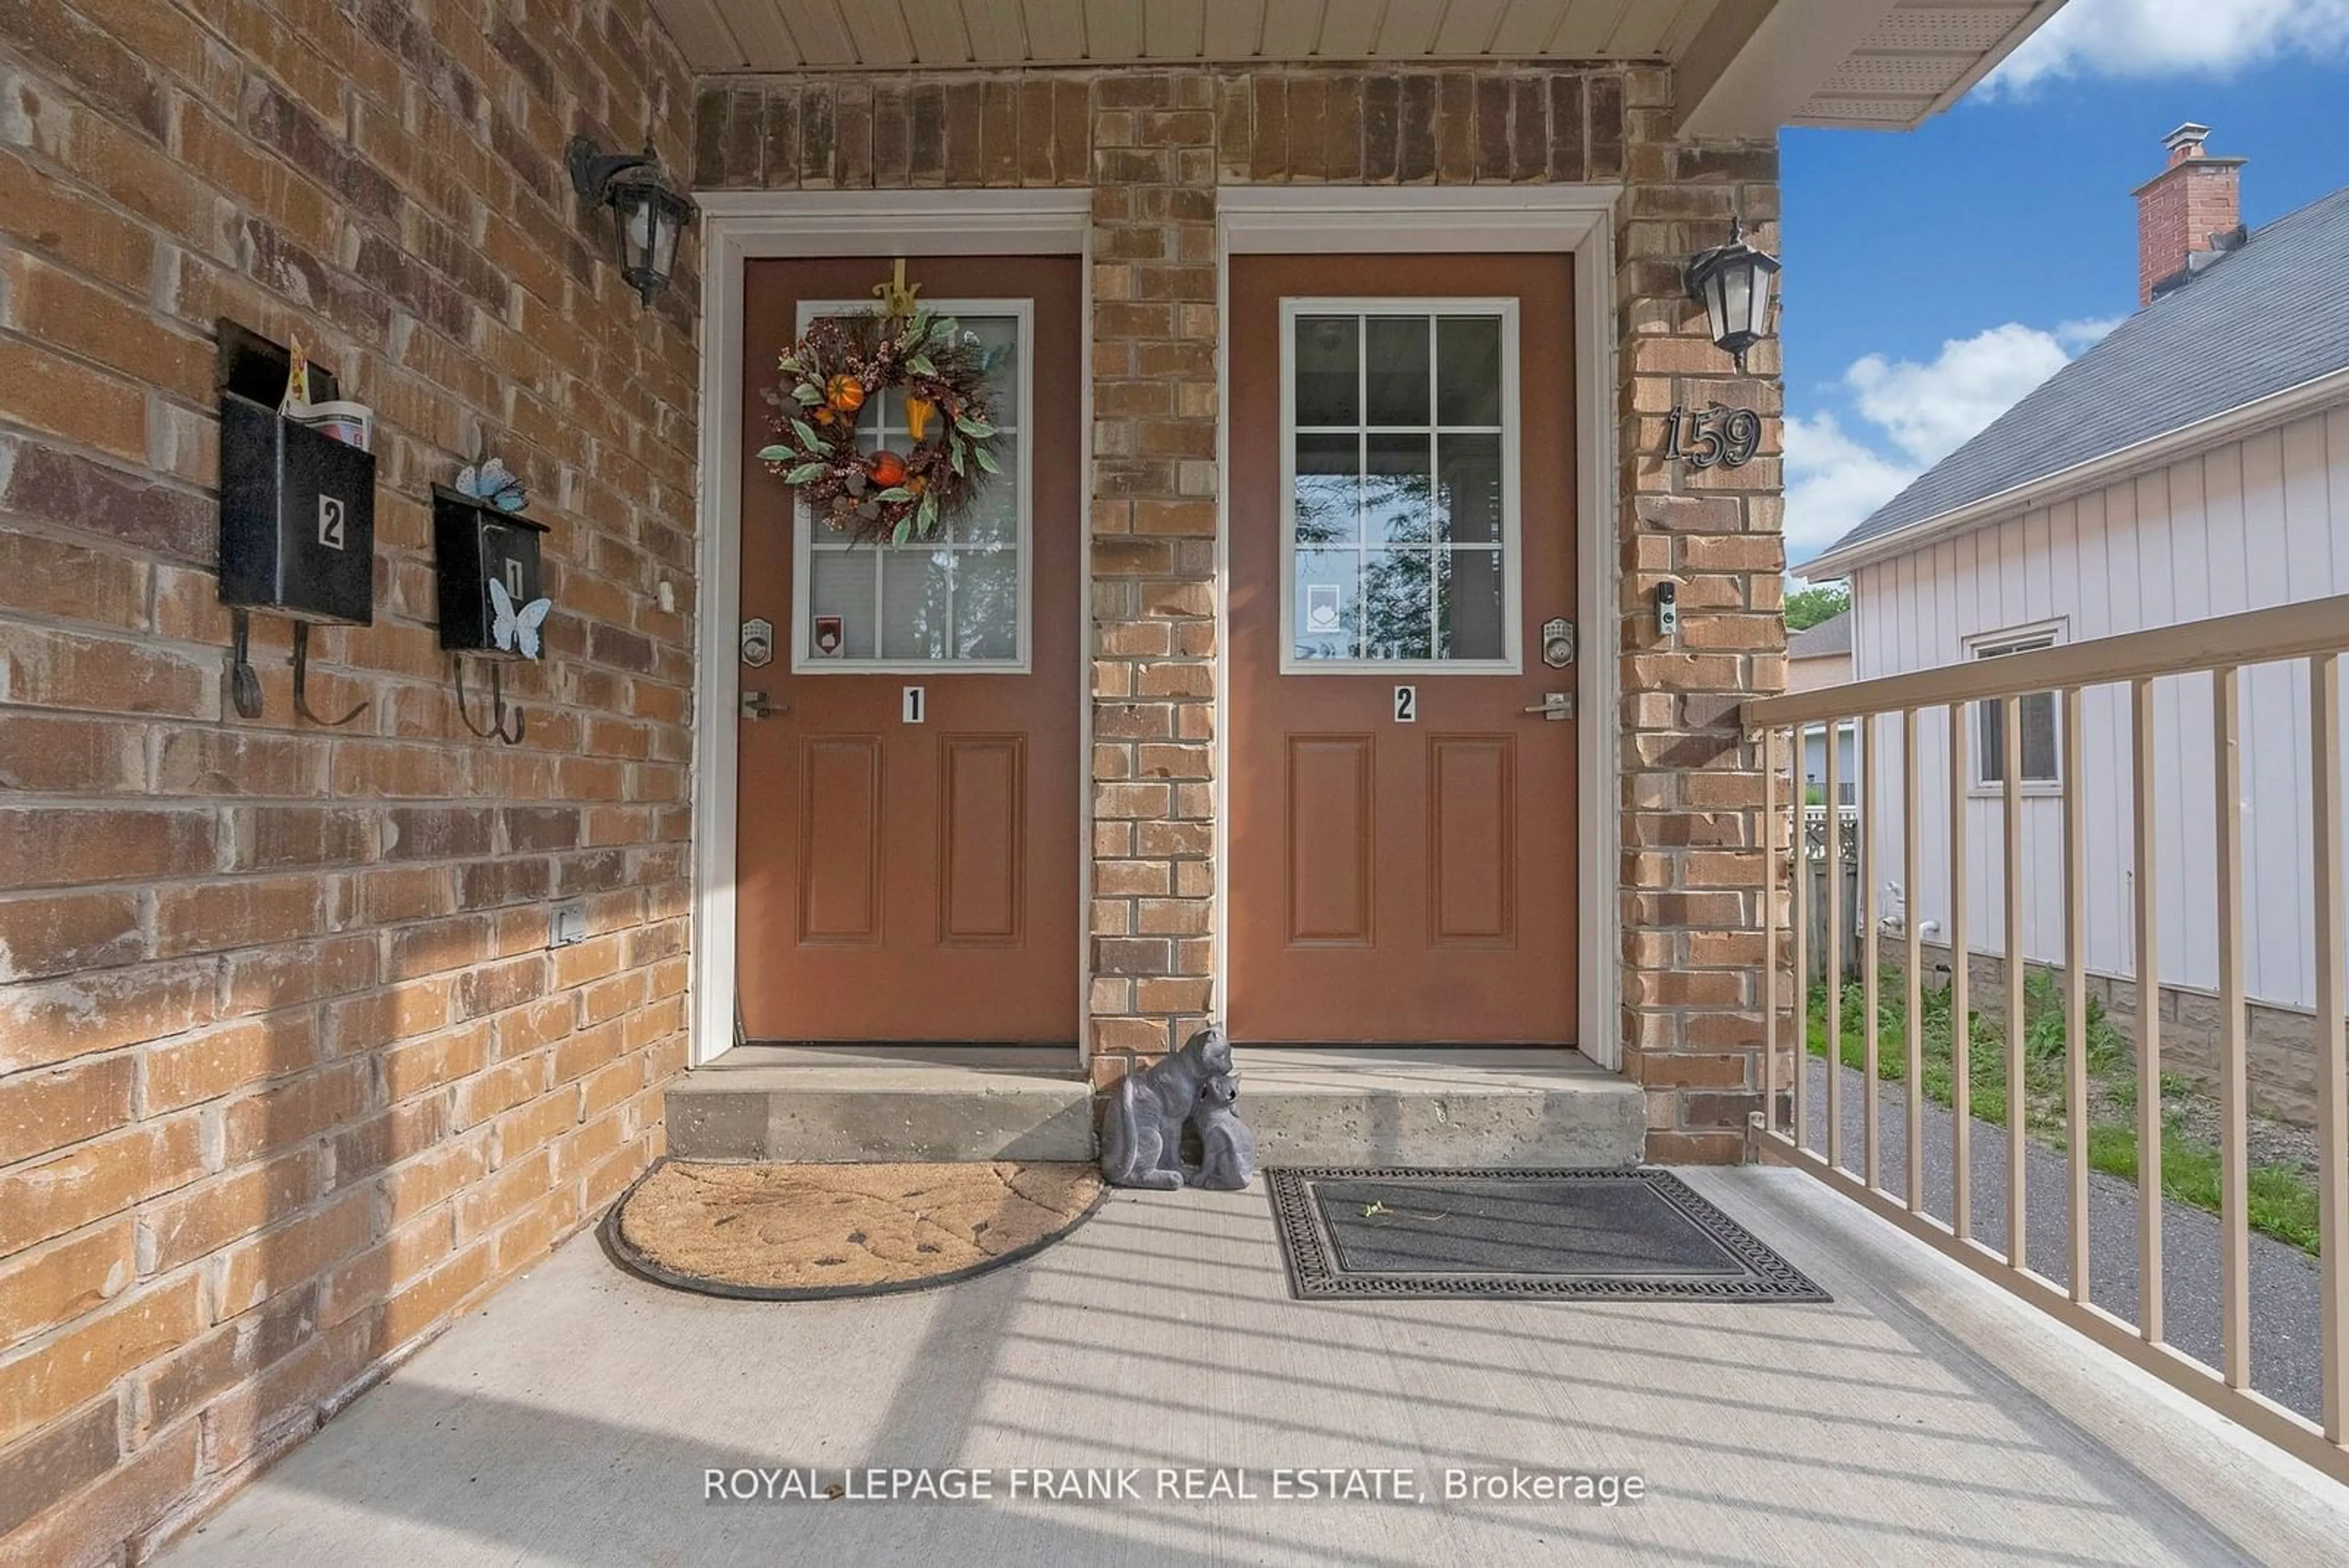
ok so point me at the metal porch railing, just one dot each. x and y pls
(2217, 651)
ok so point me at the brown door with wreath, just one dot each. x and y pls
(1402, 754)
(908, 799)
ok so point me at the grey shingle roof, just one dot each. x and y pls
(2270, 316)
(1830, 636)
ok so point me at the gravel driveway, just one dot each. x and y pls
(2286, 1363)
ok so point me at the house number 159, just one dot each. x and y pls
(1713, 434)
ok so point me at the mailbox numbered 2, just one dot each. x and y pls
(297, 518)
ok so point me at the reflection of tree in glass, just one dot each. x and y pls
(986, 603)
(1325, 508)
(1397, 504)
(1397, 590)
(1399, 593)
(918, 621)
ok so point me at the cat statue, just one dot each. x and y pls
(1142, 1138)
(1227, 1148)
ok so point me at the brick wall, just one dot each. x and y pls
(1158, 145)
(287, 1075)
(1692, 868)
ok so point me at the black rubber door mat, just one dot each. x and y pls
(1574, 1235)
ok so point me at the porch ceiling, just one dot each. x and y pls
(1748, 66)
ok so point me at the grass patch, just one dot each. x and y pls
(2282, 1195)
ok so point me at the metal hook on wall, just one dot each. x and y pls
(496, 730)
(243, 680)
(302, 681)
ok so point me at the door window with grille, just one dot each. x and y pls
(1398, 485)
(958, 598)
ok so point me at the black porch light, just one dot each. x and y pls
(1734, 282)
(648, 210)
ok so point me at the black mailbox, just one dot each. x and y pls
(476, 542)
(298, 517)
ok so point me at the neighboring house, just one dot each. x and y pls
(2193, 463)
(1820, 656)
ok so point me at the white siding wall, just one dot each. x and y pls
(2256, 522)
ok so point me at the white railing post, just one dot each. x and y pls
(1863, 841)
(1799, 915)
(1834, 940)
(2149, 1122)
(1913, 1102)
(2018, 1143)
(2075, 992)
(2234, 1142)
(2332, 926)
(1962, 1092)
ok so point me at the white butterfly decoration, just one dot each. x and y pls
(491, 482)
(516, 630)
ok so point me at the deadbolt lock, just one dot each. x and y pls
(1557, 643)
(757, 643)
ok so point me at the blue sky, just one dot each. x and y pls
(1932, 278)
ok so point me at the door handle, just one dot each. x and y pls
(1555, 706)
(754, 705)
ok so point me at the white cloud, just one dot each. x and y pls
(1911, 414)
(2173, 38)
(2078, 335)
(1833, 483)
(1929, 410)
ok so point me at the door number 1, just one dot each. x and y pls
(1406, 707)
(913, 708)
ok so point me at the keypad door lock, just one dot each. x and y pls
(1557, 643)
(757, 643)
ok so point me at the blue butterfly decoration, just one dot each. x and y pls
(516, 630)
(491, 484)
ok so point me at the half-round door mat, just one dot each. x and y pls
(803, 1232)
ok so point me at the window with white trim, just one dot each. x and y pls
(1398, 485)
(958, 598)
(2041, 766)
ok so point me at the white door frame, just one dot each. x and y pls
(1578, 220)
(737, 227)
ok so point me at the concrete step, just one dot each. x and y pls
(1445, 1109)
(834, 1105)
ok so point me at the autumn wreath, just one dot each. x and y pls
(828, 376)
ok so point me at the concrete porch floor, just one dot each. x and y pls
(1921, 1416)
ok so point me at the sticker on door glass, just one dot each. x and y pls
(1325, 608)
(828, 636)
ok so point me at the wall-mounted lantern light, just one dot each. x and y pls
(648, 210)
(1734, 282)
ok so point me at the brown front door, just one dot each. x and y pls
(908, 810)
(1402, 836)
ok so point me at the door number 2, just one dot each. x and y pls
(1406, 707)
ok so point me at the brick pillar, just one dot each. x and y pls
(1153, 551)
(1692, 874)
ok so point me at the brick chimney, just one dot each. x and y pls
(2191, 206)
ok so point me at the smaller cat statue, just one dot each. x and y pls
(1142, 1138)
(1227, 1148)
